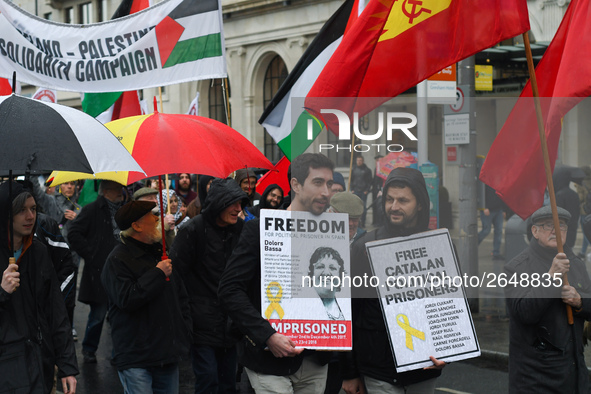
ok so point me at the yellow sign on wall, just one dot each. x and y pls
(483, 77)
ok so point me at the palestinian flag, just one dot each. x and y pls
(115, 105)
(180, 35)
(285, 118)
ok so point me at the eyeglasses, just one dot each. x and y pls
(550, 226)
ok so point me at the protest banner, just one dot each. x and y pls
(304, 259)
(171, 42)
(423, 299)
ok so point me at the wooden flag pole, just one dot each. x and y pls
(547, 167)
(351, 160)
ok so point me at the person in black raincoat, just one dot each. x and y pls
(545, 352)
(149, 306)
(35, 333)
(200, 250)
(405, 202)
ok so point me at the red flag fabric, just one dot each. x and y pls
(396, 44)
(128, 104)
(277, 175)
(514, 166)
(5, 88)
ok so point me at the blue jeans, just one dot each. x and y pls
(94, 327)
(157, 380)
(496, 219)
(214, 369)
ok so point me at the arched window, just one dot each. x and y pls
(274, 77)
(217, 106)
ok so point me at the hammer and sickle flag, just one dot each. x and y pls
(395, 44)
(403, 323)
(275, 300)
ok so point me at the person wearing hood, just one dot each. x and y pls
(406, 205)
(568, 199)
(35, 333)
(247, 179)
(184, 189)
(271, 198)
(200, 251)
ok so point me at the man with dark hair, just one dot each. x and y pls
(200, 251)
(281, 368)
(183, 188)
(93, 235)
(35, 334)
(406, 204)
(546, 352)
(271, 198)
(149, 308)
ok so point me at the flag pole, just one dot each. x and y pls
(546, 156)
(227, 101)
(351, 160)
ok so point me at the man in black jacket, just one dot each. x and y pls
(200, 251)
(149, 313)
(546, 352)
(271, 198)
(406, 204)
(361, 183)
(93, 235)
(272, 362)
(35, 333)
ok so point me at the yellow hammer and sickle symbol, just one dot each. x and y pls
(274, 300)
(413, 12)
(402, 321)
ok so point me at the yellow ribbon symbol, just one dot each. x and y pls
(274, 300)
(402, 321)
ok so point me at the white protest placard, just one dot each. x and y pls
(303, 261)
(425, 309)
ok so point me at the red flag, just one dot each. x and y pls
(396, 44)
(514, 166)
(278, 176)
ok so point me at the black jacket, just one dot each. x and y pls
(200, 251)
(360, 178)
(372, 354)
(91, 236)
(240, 295)
(35, 313)
(150, 318)
(545, 352)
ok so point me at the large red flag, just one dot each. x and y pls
(514, 166)
(396, 44)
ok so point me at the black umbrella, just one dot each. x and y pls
(38, 136)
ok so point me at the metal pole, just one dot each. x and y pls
(422, 119)
(468, 176)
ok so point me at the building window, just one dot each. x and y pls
(47, 16)
(69, 15)
(217, 104)
(102, 11)
(85, 13)
(342, 158)
(274, 77)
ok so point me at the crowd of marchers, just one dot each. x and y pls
(177, 270)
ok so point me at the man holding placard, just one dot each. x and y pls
(271, 360)
(406, 204)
